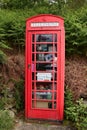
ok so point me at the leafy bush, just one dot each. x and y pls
(19, 95)
(75, 112)
(2, 57)
(7, 100)
(12, 26)
(76, 34)
(6, 121)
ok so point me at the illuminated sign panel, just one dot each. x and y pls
(45, 24)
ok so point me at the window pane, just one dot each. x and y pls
(55, 38)
(44, 38)
(43, 86)
(33, 37)
(41, 47)
(33, 48)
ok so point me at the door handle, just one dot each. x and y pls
(29, 66)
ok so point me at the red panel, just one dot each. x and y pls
(45, 18)
(43, 114)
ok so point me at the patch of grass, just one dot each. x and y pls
(6, 121)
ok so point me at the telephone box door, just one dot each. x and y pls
(43, 60)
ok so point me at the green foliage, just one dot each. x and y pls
(2, 104)
(76, 4)
(6, 122)
(3, 45)
(12, 98)
(19, 95)
(2, 57)
(76, 34)
(75, 112)
(18, 4)
(68, 98)
(7, 100)
(12, 25)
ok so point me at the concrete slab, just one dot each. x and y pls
(21, 125)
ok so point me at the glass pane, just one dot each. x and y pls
(44, 66)
(40, 57)
(54, 105)
(45, 57)
(33, 37)
(46, 47)
(32, 75)
(44, 76)
(55, 96)
(40, 104)
(55, 86)
(33, 57)
(43, 86)
(41, 48)
(33, 95)
(44, 38)
(50, 47)
(44, 95)
(32, 47)
(55, 48)
(55, 38)
(32, 86)
(33, 104)
(55, 76)
(50, 105)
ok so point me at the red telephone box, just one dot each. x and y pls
(45, 52)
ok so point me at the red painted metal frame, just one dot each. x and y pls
(58, 113)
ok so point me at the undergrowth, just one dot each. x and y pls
(6, 121)
(76, 112)
(19, 95)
